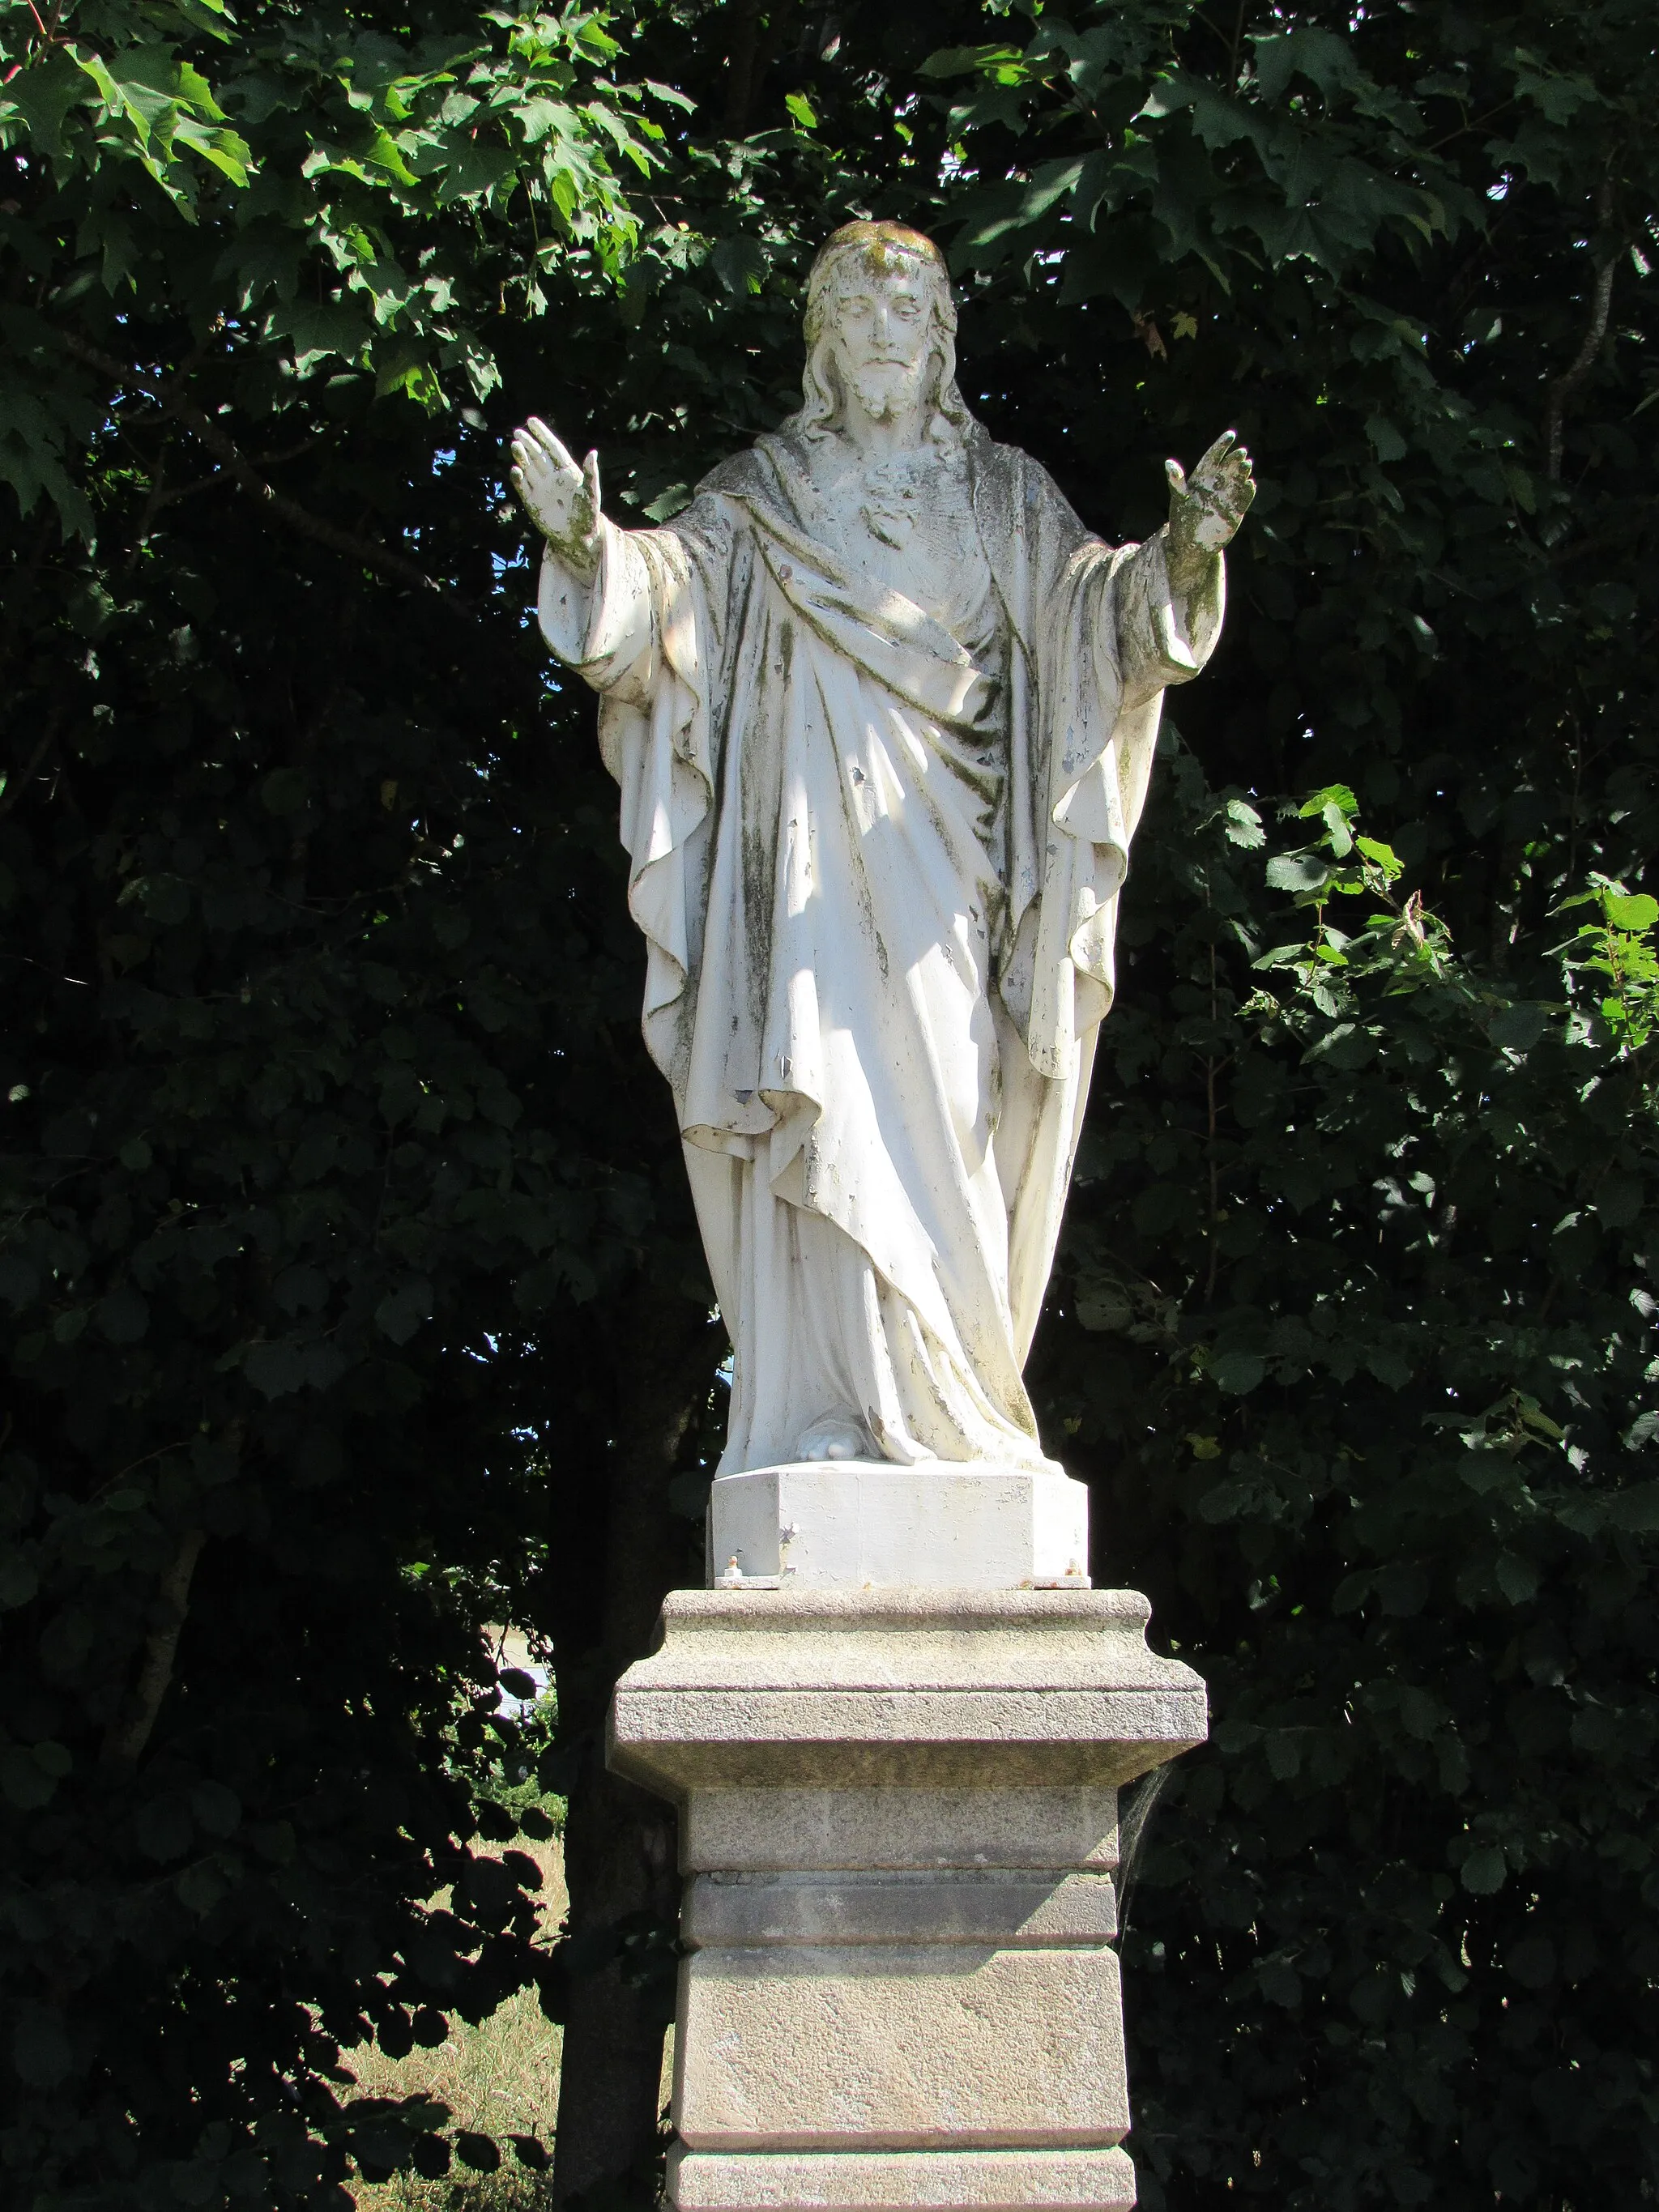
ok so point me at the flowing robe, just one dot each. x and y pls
(876, 852)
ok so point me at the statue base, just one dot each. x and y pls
(898, 1826)
(867, 1524)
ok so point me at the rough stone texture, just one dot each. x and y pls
(819, 1525)
(820, 1830)
(843, 1689)
(899, 1823)
(897, 2181)
(1004, 1908)
(899, 2047)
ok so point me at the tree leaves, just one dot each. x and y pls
(1376, 1118)
(479, 2153)
(1484, 1871)
(361, 144)
(1298, 871)
(298, 1149)
(40, 2050)
(1237, 1372)
(1324, 58)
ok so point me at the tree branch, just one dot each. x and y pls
(1570, 379)
(1620, 534)
(740, 66)
(162, 494)
(753, 50)
(129, 1734)
(238, 466)
(12, 787)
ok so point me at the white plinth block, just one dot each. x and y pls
(898, 1824)
(859, 1525)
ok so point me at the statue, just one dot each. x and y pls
(883, 713)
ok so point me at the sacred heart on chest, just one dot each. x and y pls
(891, 523)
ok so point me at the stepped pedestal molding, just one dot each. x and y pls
(898, 1826)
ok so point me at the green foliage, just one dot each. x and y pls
(1362, 1248)
(338, 1184)
(298, 949)
(1356, 1336)
(339, 202)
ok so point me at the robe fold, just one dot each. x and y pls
(876, 856)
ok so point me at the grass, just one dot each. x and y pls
(500, 2078)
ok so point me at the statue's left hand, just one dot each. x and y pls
(1206, 508)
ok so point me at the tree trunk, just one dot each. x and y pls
(753, 47)
(621, 1861)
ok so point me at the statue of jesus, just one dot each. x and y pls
(882, 712)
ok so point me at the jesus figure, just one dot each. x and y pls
(882, 712)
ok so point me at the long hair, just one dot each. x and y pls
(878, 248)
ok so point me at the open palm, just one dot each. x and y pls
(1206, 508)
(560, 499)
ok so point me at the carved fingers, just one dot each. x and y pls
(1206, 508)
(560, 499)
(1223, 482)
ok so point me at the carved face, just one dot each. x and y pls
(881, 334)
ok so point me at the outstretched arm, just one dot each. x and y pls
(1171, 595)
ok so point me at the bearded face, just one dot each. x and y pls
(881, 337)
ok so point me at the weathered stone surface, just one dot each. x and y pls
(900, 1832)
(902, 2181)
(899, 2047)
(920, 1689)
(1006, 1909)
(821, 1525)
(878, 955)
(819, 1830)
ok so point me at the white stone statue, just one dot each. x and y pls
(882, 712)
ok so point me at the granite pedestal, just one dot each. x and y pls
(898, 1827)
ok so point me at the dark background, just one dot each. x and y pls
(354, 1300)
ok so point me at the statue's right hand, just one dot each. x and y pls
(561, 499)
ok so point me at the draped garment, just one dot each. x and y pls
(876, 858)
